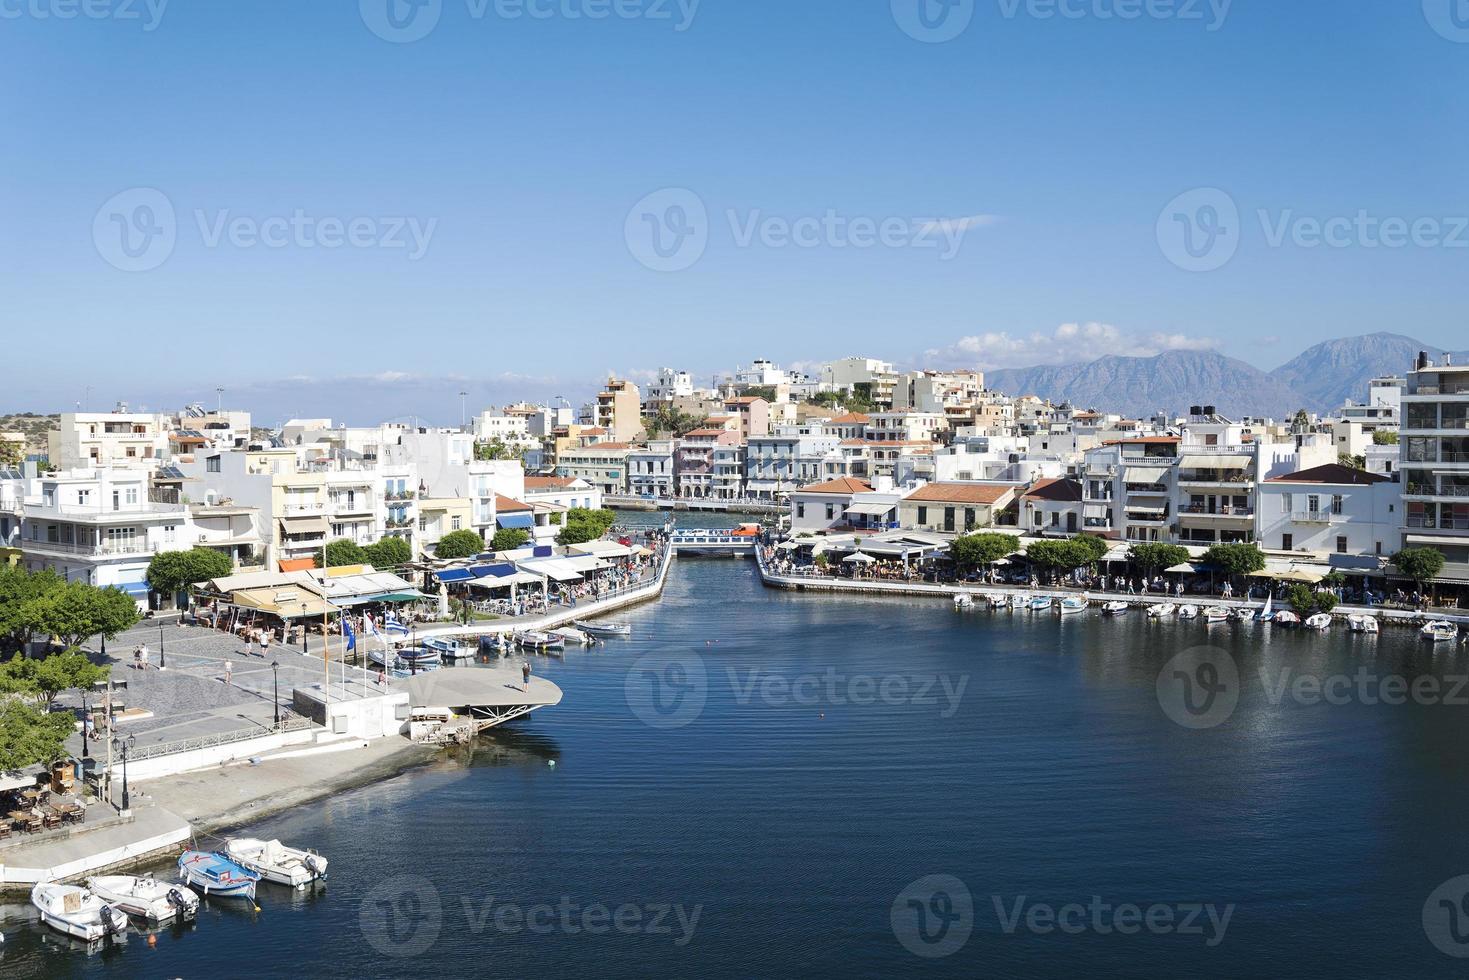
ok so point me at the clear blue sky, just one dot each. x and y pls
(527, 142)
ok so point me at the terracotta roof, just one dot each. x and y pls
(706, 432)
(961, 493)
(743, 400)
(845, 484)
(505, 505)
(598, 447)
(1055, 489)
(548, 482)
(594, 430)
(1334, 474)
(851, 418)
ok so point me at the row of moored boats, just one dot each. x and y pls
(104, 906)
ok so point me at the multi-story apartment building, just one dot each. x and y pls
(906, 426)
(862, 373)
(84, 440)
(693, 460)
(650, 469)
(619, 410)
(669, 385)
(510, 429)
(603, 465)
(1434, 460)
(778, 464)
(753, 415)
(727, 472)
(938, 391)
(1329, 510)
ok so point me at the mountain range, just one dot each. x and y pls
(1319, 379)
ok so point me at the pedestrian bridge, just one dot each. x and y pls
(731, 541)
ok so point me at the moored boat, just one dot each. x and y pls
(448, 650)
(217, 874)
(1020, 600)
(1072, 604)
(276, 862)
(146, 897)
(1319, 621)
(997, 600)
(1216, 614)
(77, 912)
(1439, 631)
(1286, 618)
(1162, 610)
(1041, 603)
(1188, 611)
(625, 629)
(535, 640)
(1115, 608)
(963, 601)
(1362, 624)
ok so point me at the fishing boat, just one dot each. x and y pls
(276, 862)
(1286, 618)
(1439, 631)
(1162, 610)
(1362, 624)
(1320, 621)
(1072, 604)
(146, 897)
(1115, 608)
(1041, 603)
(1216, 614)
(625, 629)
(535, 640)
(77, 912)
(1188, 611)
(216, 874)
(448, 650)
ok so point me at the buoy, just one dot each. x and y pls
(152, 940)
(257, 908)
(551, 763)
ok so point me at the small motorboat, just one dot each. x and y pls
(1020, 600)
(1286, 618)
(997, 600)
(450, 651)
(1245, 614)
(535, 640)
(1362, 624)
(276, 862)
(625, 629)
(1162, 610)
(77, 912)
(1188, 611)
(216, 874)
(1216, 614)
(574, 637)
(146, 897)
(1320, 621)
(1439, 631)
(1041, 603)
(1072, 604)
(1115, 608)
(963, 601)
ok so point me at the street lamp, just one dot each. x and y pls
(276, 669)
(85, 734)
(123, 745)
(162, 662)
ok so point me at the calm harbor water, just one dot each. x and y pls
(749, 785)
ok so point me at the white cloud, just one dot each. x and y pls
(1066, 344)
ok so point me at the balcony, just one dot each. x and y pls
(107, 549)
(1438, 523)
(1429, 490)
(1316, 517)
(1221, 513)
(36, 507)
(401, 495)
(1147, 489)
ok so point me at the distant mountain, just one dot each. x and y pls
(1328, 374)
(1319, 379)
(1139, 386)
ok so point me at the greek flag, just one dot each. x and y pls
(392, 625)
(348, 632)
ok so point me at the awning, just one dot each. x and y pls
(1215, 462)
(449, 575)
(1147, 509)
(1438, 539)
(1146, 474)
(601, 549)
(551, 568)
(871, 510)
(305, 525)
(400, 597)
(287, 602)
(297, 564)
(505, 582)
(517, 520)
(860, 557)
(134, 589)
(502, 570)
(1188, 568)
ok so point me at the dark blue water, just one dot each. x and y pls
(789, 819)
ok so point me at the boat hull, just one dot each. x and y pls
(215, 874)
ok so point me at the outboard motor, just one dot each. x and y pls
(176, 899)
(110, 925)
(314, 866)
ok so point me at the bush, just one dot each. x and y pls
(388, 553)
(459, 544)
(343, 552)
(508, 539)
(171, 572)
(584, 525)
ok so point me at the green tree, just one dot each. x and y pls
(1156, 556)
(23, 604)
(584, 525)
(391, 552)
(1090, 547)
(1384, 437)
(665, 418)
(509, 538)
(64, 671)
(342, 552)
(29, 735)
(497, 449)
(170, 572)
(1352, 462)
(970, 551)
(78, 611)
(1306, 602)
(1422, 565)
(459, 544)
(1237, 559)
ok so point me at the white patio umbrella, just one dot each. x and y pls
(860, 557)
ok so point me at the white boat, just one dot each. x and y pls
(1267, 611)
(1020, 600)
(573, 636)
(607, 629)
(1216, 614)
(1041, 603)
(1162, 610)
(1362, 624)
(1320, 621)
(1245, 614)
(534, 640)
(77, 912)
(997, 600)
(276, 862)
(1115, 608)
(963, 601)
(1286, 618)
(449, 650)
(1188, 611)
(1072, 604)
(1439, 631)
(146, 897)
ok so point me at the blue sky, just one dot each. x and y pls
(520, 148)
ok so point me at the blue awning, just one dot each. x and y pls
(454, 575)
(515, 520)
(542, 551)
(135, 589)
(493, 571)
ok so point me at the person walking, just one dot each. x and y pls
(228, 672)
(265, 644)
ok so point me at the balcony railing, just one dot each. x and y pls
(1443, 523)
(1195, 510)
(1429, 490)
(105, 549)
(1315, 517)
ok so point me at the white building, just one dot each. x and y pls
(84, 440)
(1329, 510)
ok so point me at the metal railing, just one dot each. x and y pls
(139, 546)
(1443, 523)
(290, 723)
(1316, 517)
(1194, 510)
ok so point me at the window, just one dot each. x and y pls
(1341, 544)
(1285, 503)
(454, 524)
(922, 515)
(84, 497)
(1287, 542)
(132, 495)
(1336, 503)
(800, 510)
(830, 511)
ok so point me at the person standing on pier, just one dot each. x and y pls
(525, 674)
